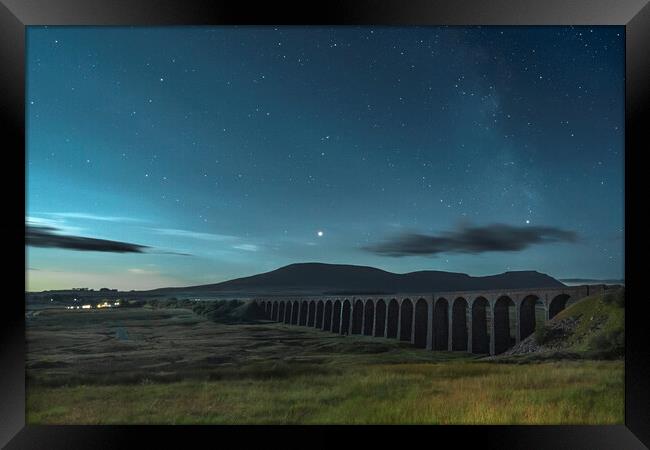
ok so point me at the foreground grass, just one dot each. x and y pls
(171, 366)
(451, 392)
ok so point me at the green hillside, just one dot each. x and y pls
(593, 327)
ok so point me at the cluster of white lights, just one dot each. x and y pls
(99, 305)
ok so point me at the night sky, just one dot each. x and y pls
(208, 153)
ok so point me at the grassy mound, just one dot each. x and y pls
(593, 328)
(600, 326)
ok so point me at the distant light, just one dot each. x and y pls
(527, 221)
(319, 233)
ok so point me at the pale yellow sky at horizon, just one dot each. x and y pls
(37, 280)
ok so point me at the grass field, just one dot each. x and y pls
(174, 367)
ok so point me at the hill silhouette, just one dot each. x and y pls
(321, 278)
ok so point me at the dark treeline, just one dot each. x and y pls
(222, 311)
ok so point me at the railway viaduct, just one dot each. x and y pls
(479, 322)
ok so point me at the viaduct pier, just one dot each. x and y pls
(482, 322)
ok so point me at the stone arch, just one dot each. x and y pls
(368, 317)
(311, 313)
(287, 312)
(480, 328)
(303, 313)
(295, 309)
(421, 323)
(406, 320)
(281, 311)
(504, 313)
(274, 311)
(327, 317)
(459, 331)
(392, 318)
(336, 317)
(441, 325)
(357, 317)
(530, 309)
(558, 303)
(380, 318)
(319, 314)
(345, 319)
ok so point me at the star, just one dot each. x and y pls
(319, 233)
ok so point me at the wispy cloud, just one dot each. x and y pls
(139, 271)
(54, 223)
(193, 234)
(472, 239)
(167, 252)
(247, 247)
(87, 216)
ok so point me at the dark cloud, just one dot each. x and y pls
(472, 239)
(42, 236)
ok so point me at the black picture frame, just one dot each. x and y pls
(15, 15)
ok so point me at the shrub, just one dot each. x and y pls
(543, 334)
(617, 298)
(187, 303)
(609, 343)
(228, 311)
(620, 298)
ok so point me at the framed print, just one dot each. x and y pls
(291, 219)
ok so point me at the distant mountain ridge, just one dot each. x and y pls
(321, 278)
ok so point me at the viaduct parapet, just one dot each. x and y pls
(479, 322)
